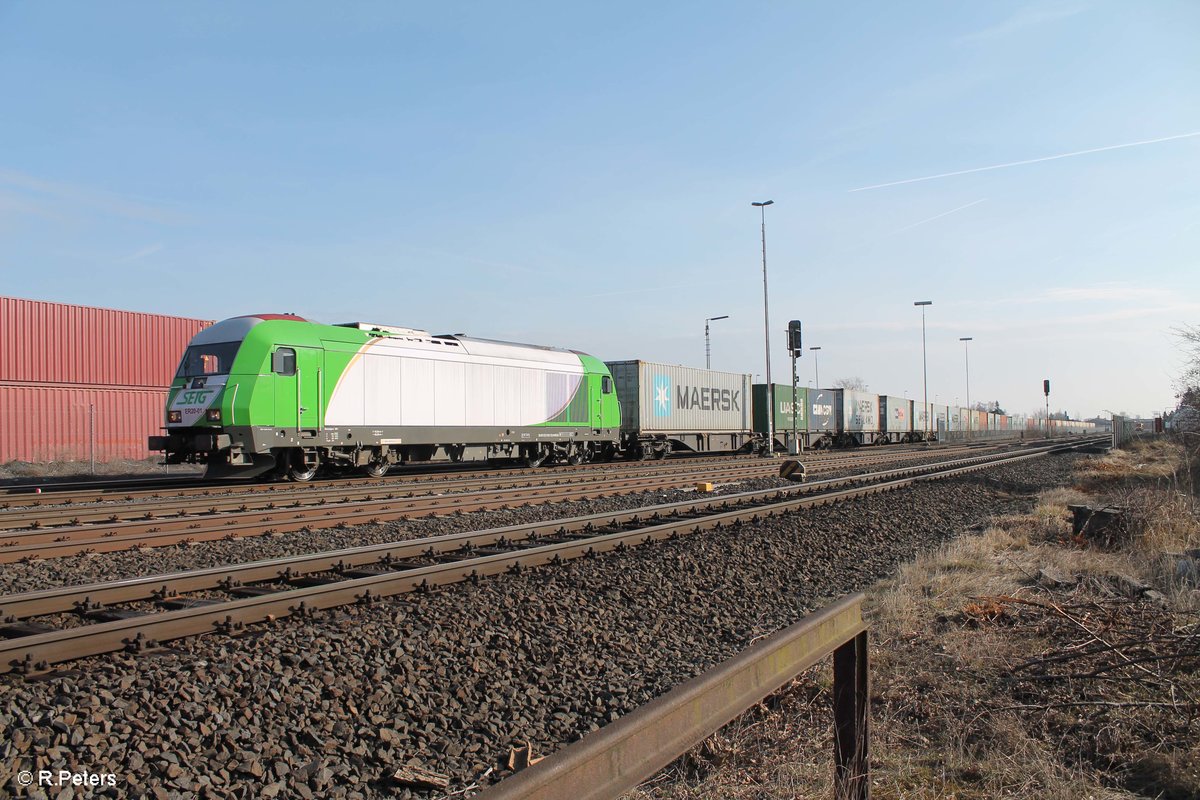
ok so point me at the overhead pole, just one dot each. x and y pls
(924, 363)
(762, 207)
(967, 364)
(707, 348)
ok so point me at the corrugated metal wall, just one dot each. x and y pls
(77, 381)
(44, 342)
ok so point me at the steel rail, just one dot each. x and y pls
(16, 521)
(98, 595)
(56, 542)
(26, 496)
(38, 651)
(67, 540)
(619, 756)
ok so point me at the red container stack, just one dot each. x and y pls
(78, 382)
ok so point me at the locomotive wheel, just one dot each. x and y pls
(534, 457)
(376, 469)
(660, 453)
(298, 471)
(577, 457)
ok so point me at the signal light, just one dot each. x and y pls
(794, 337)
(174, 416)
(213, 415)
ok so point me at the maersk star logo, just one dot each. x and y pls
(662, 396)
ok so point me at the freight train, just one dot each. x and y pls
(823, 418)
(276, 394)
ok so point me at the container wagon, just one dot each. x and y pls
(790, 414)
(667, 407)
(896, 415)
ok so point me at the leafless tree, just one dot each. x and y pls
(854, 383)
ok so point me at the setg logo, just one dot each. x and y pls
(195, 396)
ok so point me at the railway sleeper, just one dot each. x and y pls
(180, 603)
(18, 630)
(254, 591)
(115, 614)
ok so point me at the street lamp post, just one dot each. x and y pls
(817, 379)
(707, 348)
(924, 362)
(762, 207)
(967, 365)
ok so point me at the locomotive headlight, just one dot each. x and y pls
(213, 415)
(174, 416)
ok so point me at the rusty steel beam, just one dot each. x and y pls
(619, 756)
(851, 720)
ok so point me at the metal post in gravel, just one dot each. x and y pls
(851, 720)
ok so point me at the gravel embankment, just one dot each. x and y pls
(450, 680)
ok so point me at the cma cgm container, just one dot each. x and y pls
(78, 382)
(670, 407)
(789, 409)
(825, 410)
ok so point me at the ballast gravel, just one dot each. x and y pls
(450, 681)
(34, 575)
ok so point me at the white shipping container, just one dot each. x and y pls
(899, 416)
(922, 417)
(668, 398)
(860, 411)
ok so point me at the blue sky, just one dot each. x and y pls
(581, 175)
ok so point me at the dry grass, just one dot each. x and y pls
(23, 471)
(960, 705)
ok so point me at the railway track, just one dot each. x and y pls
(299, 585)
(157, 506)
(172, 526)
(39, 496)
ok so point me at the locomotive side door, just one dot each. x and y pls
(606, 389)
(298, 387)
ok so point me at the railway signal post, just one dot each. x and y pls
(1046, 391)
(797, 350)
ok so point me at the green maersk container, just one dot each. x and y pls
(784, 404)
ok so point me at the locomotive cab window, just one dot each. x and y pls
(606, 385)
(283, 361)
(208, 359)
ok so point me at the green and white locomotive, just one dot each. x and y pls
(273, 392)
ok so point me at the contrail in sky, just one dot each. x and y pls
(1029, 161)
(938, 216)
